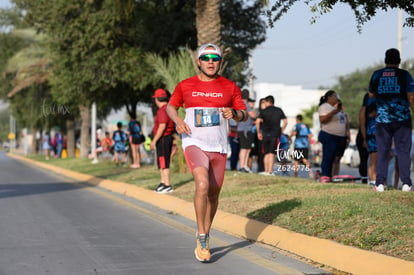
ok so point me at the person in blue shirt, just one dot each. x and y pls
(302, 135)
(135, 134)
(119, 137)
(59, 144)
(371, 142)
(282, 154)
(393, 89)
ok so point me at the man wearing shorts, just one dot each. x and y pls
(269, 130)
(163, 140)
(210, 100)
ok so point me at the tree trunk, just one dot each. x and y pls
(70, 137)
(85, 142)
(208, 22)
(33, 146)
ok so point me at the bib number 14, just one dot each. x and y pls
(206, 117)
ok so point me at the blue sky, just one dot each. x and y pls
(299, 53)
(310, 55)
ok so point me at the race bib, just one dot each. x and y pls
(206, 117)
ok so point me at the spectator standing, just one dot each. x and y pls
(162, 141)
(303, 136)
(245, 134)
(371, 143)
(234, 144)
(282, 153)
(120, 138)
(258, 143)
(344, 141)
(254, 152)
(135, 133)
(269, 129)
(210, 101)
(46, 145)
(393, 89)
(59, 144)
(361, 138)
(365, 121)
(331, 133)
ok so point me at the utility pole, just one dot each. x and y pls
(251, 82)
(399, 31)
(93, 134)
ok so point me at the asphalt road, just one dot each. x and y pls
(53, 225)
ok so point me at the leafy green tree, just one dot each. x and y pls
(363, 10)
(92, 55)
(10, 43)
(170, 71)
(4, 125)
(351, 88)
(27, 72)
(308, 115)
(98, 47)
(241, 36)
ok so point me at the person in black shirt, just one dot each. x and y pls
(269, 129)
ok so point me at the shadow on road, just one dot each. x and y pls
(219, 252)
(28, 189)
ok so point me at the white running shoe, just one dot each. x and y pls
(379, 188)
(406, 188)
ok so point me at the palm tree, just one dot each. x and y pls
(170, 71)
(208, 21)
(29, 70)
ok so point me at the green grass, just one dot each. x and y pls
(351, 214)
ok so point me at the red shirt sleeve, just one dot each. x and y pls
(238, 102)
(177, 96)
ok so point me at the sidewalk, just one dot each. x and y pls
(341, 257)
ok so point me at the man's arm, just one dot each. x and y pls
(258, 130)
(237, 115)
(284, 124)
(158, 134)
(362, 121)
(411, 100)
(328, 116)
(180, 126)
(252, 114)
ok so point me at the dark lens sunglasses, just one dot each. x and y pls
(207, 57)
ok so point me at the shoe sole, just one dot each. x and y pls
(164, 191)
(199, 259)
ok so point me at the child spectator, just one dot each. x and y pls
(119, 137)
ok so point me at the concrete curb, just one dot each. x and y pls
(338, 256)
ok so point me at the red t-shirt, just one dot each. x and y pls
(162, 117)
(203, 101)
(219, 92)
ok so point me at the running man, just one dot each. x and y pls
(210, 100)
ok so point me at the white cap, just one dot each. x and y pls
(203, 49)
